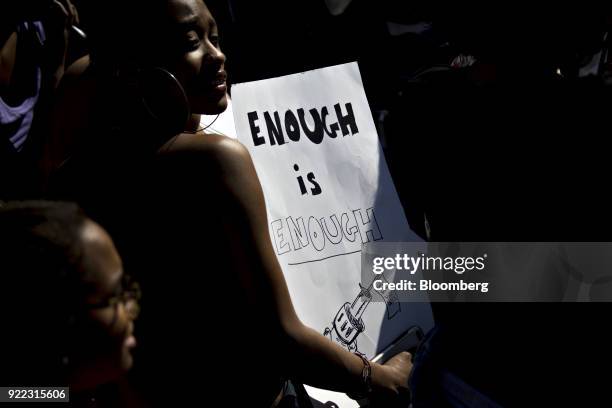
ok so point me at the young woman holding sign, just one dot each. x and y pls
(187, 211)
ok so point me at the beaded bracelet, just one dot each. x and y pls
(366, 374)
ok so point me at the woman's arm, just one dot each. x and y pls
(308, 356)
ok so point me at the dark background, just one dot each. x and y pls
(523, 157)
(507, 150)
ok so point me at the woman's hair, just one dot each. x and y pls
(122, 31)
(40, 288)
(129, 46)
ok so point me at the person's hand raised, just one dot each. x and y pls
(61, 16)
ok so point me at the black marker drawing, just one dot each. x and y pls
(348, 323)
(295, 125)
(293, 234)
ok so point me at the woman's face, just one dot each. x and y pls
(192, 53)
(105, 332)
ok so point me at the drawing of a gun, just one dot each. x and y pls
(348, 323)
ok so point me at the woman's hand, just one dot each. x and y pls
(391, 379)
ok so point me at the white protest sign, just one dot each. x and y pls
(328, 190)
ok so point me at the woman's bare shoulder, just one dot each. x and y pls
(221, 150)
(212, 156)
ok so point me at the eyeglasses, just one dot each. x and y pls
(128, 294)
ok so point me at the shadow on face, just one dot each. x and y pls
(106, 328)
(63, 298)
(190, 49)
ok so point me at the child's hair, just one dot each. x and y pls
(40, 288)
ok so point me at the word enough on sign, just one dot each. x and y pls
(294, 124)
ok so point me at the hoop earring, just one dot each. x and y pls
(163, 98)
